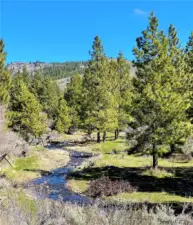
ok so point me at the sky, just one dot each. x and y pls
(61, 30)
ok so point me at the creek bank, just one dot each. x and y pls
(54, 184)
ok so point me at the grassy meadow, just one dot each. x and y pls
(170, 182)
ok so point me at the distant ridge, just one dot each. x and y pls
(54, 70)
(61, 72)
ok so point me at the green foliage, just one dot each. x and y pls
(189, 53)
(189, 70)
(25, 76)
(99, 103)
(123, 91)
(73, 97)
(5, 78)
(62, 70)
(163, 95)
(47, 92)
(24, 110)
(63, 120)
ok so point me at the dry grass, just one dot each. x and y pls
(19, 209)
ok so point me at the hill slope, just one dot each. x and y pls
(57, 71)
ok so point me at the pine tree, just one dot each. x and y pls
(25, 114)
(124, 92)
(73, 97)
(26, 76)
(47, 92)
(189, 54)
(189, 70)
(5, 78)
(178, 60)
(162, 96)
(98, 101)
(63, 121)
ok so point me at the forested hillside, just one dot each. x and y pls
(53, 70)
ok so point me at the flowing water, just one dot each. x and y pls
(54, 185)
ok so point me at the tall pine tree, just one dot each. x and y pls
(73, 97)
(98, 101)
(162, 96)
(123, 92)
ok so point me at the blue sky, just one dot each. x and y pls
(63, 30)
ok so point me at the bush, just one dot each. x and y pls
(104, 186)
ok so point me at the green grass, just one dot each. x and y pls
(139, 168)
(153, 197)
(78, 186)
(159, 173)
(39, 160)
(110, 144)
(29, 163)
(123, 161)
(18, 173)
(120, 160)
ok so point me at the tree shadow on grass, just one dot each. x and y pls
(181, 184)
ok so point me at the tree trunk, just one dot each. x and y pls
(172, 148)
(155, 157)
(117, 133)
(104, 136)
(98, 137)
(89, 132)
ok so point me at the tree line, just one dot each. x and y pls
(156, 103)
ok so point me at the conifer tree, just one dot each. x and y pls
(73, 97)
(189, 70)
(178, 60)
(123, 91)
(5, 78)
(189, 54)
(26, 76)
(162, 96)
(98, 101)
(63, 121)
(47, 92)
(25, 114)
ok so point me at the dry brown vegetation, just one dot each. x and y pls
(18, 209)
(11, 143)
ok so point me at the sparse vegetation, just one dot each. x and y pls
(17, 208)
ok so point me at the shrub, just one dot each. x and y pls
(104, 186)
(46, 212)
